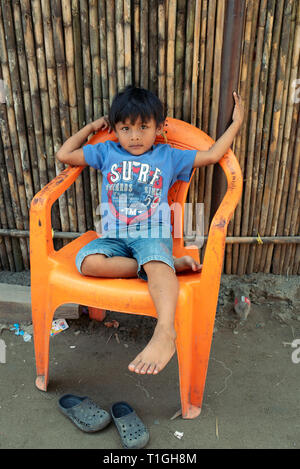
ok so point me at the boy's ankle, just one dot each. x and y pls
(166, 328)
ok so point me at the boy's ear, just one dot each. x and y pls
(159, 128)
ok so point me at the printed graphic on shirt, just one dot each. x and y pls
(134, 190)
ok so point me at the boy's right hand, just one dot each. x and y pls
(101, 124)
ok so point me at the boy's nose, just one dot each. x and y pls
(135, 136)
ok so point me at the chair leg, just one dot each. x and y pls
(184, 331)
(201, 345)
(42, 315)
(96, 313)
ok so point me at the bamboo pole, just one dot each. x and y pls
(119, 31)
(103, 56)
(188, 59)
(211, 14)
(217, 65)
(153, 38)
(171, 56)
(144, 49)
(179, 58)
(136, 41)
(127, 43)
(161, 50)
(111, 49)
(277, 240)
(95, 58)
(202, 62)
(196, 58)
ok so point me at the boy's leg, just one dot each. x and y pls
(99, 265)
(163, 288)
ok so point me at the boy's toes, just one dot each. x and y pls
(152, 369)
(197, 267)
(134, 366)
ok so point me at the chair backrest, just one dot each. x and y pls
(178, 134)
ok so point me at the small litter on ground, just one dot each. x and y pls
(58, 325)
(18, 331)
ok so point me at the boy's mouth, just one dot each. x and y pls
(136, 146)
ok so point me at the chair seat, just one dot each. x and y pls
(124, 295)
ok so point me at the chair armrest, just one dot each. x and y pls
(217, 233)
(41, 242)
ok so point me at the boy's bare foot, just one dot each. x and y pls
(156, 354)
(186, 263)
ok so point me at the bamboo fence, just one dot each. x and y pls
(61, 63)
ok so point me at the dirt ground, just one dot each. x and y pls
(251, 400)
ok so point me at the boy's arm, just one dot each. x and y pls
(71, 151)
(221, 146)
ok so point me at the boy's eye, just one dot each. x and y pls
(124, 128)
(144, 126)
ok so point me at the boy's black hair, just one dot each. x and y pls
(136, 102)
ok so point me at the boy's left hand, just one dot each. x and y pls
(238, 112)
(101, 124)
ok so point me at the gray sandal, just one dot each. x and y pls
(84, 413)
(132, 431)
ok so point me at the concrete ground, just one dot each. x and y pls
(251, 400)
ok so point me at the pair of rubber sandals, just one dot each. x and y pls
(89, 417)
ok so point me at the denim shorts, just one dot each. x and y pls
(144, 246)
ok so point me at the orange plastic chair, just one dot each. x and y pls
(55, 279)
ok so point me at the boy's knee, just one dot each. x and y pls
(156, 267)
(92, 262)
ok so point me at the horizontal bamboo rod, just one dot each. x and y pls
(229, 239)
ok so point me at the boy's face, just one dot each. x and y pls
(139, 137)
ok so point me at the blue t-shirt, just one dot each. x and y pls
(135, 188)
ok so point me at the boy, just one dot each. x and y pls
(136, 178)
